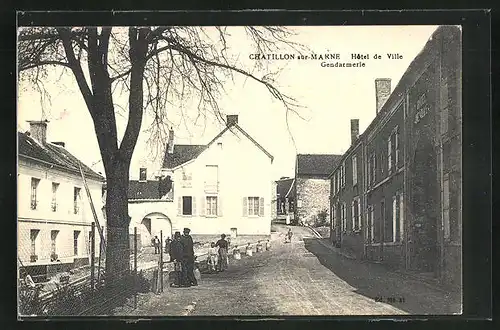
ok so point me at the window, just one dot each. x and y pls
(397, 217)
(142, 174)
(33, 238)
(187, 205)
(389, 154)
(211, 177)
(370, 225)
(53, 241)
(354, 170)
(337, 180)
(446, 206)
(211, 205)
(343, 217)
(186, 179)
(55, 186)
(253, 206)
(396, 146)
(333, 217)
(401, 217)
(342, 174)
(34, 188)
(76, 200)
(76, 234)
(356, 215)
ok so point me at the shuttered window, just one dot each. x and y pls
(253, 206)
(211, 205)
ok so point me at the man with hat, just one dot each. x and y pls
(188, 278)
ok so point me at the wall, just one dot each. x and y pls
(351, 240)
(243, 171)
(314, 194)
(63, 219)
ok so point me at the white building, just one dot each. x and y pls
(54, 214)
(224, 186)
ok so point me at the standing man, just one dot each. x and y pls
(175, 251)
(157, 244)
(188, 259)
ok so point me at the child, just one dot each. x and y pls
(268, 245)
(249, 251)
(212, 257)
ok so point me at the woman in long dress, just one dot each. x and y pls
(223, 245)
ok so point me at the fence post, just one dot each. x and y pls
(161, 261)
(92, 256)
(135, 267)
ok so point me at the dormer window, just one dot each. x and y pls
(143, 174)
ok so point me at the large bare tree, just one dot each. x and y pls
(157, 67)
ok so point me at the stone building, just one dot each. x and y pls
(312, 186)
(411, 193)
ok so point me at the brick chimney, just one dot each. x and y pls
(38, 130)
(354, 130)
(170, 145)
(231, 120)
(382, 91)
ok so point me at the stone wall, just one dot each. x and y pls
(313, 196)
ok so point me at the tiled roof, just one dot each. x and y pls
(53, 154)
(316, 164)
(182, 153)
(283, 187)
(143, 189)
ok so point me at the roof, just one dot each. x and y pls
(52, 154)
(283, 187)
(410, 76)
(143, 189)
(183, 153)
(316, 164)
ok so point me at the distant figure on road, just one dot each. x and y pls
(188, 278)
(175, 251)
(223, 247)
(288, 237)
(157, 244)
(168, 241)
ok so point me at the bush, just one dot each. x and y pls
(321, 219)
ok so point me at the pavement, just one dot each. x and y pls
(299, 278)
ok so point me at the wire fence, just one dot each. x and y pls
(62, 281)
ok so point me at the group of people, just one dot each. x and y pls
(218, 259)
(181, 253)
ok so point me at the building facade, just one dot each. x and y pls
(346, 197)
(411, 171)
(312, 187)
(224, 186)
(54, 212)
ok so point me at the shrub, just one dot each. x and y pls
(321, 219)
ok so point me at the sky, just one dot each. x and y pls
(329, 97)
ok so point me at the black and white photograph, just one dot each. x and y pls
(239, 170)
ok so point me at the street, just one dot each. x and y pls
(299, 278)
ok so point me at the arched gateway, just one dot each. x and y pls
(151, 224)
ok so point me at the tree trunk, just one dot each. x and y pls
(118, 246)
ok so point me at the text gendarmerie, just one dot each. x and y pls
(343, 64)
